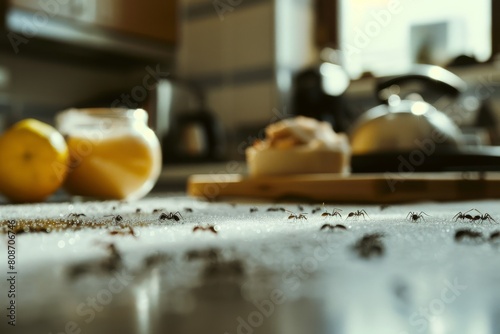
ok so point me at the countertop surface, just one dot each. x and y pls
(253, 267)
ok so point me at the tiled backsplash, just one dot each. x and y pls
(237, 50)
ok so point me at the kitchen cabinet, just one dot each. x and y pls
(154, 19)
(145, 29)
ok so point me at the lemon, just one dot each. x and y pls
(34, 161)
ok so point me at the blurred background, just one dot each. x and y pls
(213, 73)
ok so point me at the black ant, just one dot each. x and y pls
(415, 217)
(275, 209)
(117, 219)
(138, 210)
(335, 212)
(316, 210)
(482, 218)
(252, 210)
(129, 232)
(171, 215)
(357, 214)
(370, 245)
(465, 215)
(333, 227)
(471, 218)
(467, 233)
(494, 236)
(76, 215)
(295, 216)
(209, 228)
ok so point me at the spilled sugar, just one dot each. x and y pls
(423, 281)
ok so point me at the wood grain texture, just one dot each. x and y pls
(362, 188)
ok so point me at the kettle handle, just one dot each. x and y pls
(437, 78)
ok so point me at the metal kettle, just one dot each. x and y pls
(402, 122)
(402, 126)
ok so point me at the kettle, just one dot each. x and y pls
(402, 124)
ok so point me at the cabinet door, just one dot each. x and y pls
(154, 19)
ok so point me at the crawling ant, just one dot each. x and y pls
(209, 228)
(415, 217)
(467, 233)
(495, 236)
(316, 210)
(117, 219)
(188, 209)
(295, 216)
(333, 227)
(76, 215)
(482, 217)
(357, 214)
(275, 209)
(252, 210)
(335, 212)
(465, 215)
(370, 245)
(129, 232)
(171, 215)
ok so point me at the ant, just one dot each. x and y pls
(129, 232)
(209, 228)
(335, 212)
(138, 210)
(171, 215)
(370, 245)
(482, 217)
(333, 227)
(384, 206)
(415, 217)
(117, 219)
(494, 236)
(465, 215)
(253, 210)
(275, 209)
(357, 214)
(467, 233)
(188, 209)
(317, 209)
(76, 215)
(295, 216)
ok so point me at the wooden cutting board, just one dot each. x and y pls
(358, 188)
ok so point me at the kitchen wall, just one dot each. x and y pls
(39, 88)
(244, 52)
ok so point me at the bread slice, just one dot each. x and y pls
(299, 146)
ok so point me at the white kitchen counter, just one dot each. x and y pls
(261, 273)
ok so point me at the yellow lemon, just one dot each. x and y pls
(33, 161)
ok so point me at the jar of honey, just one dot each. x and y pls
(114, 154)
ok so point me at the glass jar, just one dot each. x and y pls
(114, 154)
